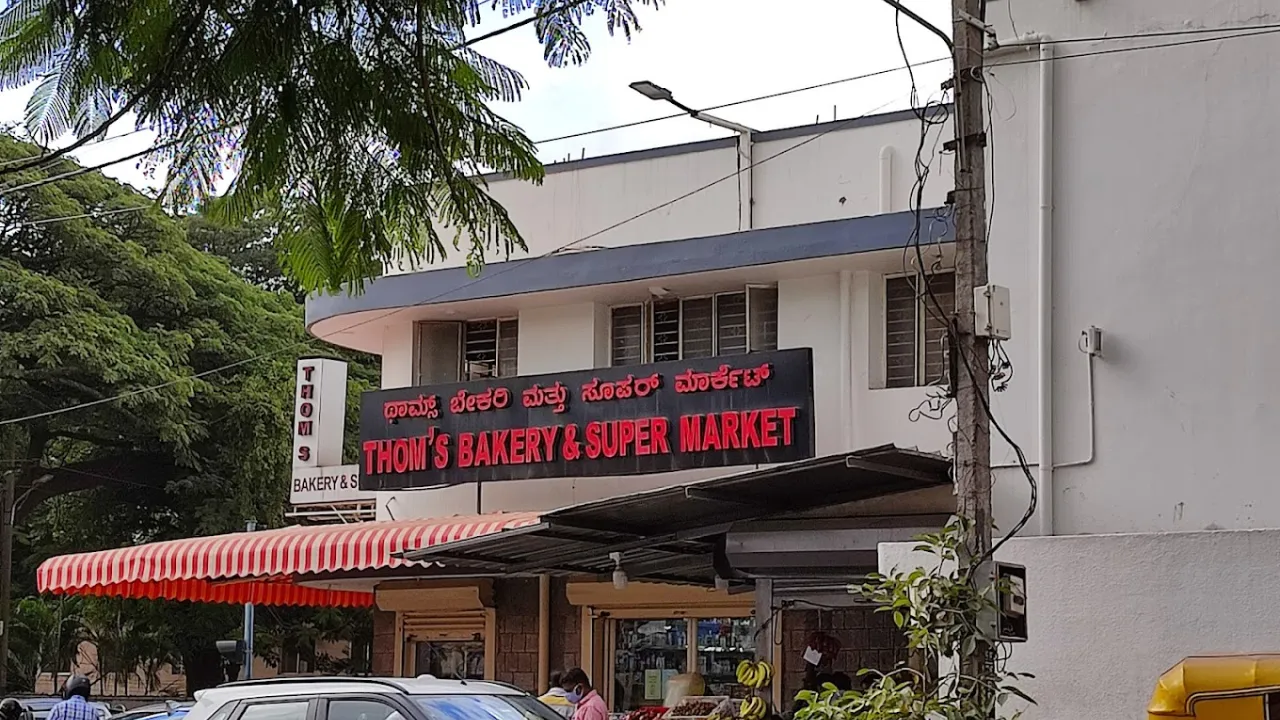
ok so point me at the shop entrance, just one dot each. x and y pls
(452, 659)
(647, 652)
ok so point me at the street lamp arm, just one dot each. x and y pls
(720, 122)
(922, 22)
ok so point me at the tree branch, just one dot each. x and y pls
(143, 470)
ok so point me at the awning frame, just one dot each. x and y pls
(684, 541)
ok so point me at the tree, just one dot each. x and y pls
(360, 128)
(97, 307)
(46, 636)
(247, 247)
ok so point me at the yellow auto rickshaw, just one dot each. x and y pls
(1224, 687)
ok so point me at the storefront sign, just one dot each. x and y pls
(338, 485)
(319, 413)
(713, 412)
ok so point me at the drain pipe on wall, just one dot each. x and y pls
(846, 359)
(1044, 279)
(1044, 488)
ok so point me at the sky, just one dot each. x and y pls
(707, 52)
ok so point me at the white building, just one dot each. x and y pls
(1130, 191)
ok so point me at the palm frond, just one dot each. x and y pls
(48, 114)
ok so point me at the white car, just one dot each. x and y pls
(422, 698)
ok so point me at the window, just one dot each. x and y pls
(275, 711)
(449, 352)
(484, 707)
(489, 348)
(731, 323)
(916, 328)
(362, 710)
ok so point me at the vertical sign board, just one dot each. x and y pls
(320, 407)
(319, 423)
(753, 409)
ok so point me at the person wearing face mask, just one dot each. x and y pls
(588, 705)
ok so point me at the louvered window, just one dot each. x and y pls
(450, 351)
(676, 329)
(916, 328)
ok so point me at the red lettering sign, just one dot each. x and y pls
(490, 399)
(725, 378)
(627, 387)
(304, 427)
(555, 397)
(601, 439)
(632, 437)
(738, 430)
(729, 411)
(307, 392)
(425, 406)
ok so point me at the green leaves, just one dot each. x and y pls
(361, 129)
(939, 611)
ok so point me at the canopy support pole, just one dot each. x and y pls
(250, 526)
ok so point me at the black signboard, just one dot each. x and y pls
(713, 412)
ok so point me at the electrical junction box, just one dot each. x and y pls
(991, 314)
(1011, 624)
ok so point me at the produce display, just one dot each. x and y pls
(696, 707)
(646, 713)
(753, 708)
(755, 675)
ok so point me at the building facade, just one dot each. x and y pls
(1129, 209)
(814, 263)
(1129, 162)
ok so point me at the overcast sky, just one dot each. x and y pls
(708, 52)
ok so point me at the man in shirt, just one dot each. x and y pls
(555, 698)
(75, 701)
(588, 705)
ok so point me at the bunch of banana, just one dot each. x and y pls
(753, 708)
(755, 675)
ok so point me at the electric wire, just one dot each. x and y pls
(938, 399)
(1232, 33)
(506, 267)
(919, 221)
(1234, 29)
(521, 23)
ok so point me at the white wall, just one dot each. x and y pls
(797, 180)
(1164, 239)
(1108, 614)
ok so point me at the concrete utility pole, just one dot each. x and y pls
(970, 363)
(971, 381)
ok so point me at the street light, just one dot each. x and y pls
(654, 91)
(746, 195)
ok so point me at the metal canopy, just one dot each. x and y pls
(676, 534)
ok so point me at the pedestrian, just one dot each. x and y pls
(75, 701)
(555, 697)
(587, 702)
(11, 709)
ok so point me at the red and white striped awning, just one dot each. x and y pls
(264, 568)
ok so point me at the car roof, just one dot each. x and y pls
(48, 702)
(284, 687)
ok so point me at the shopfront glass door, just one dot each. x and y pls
(450, 659)
(722, 644)
(648, 654)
